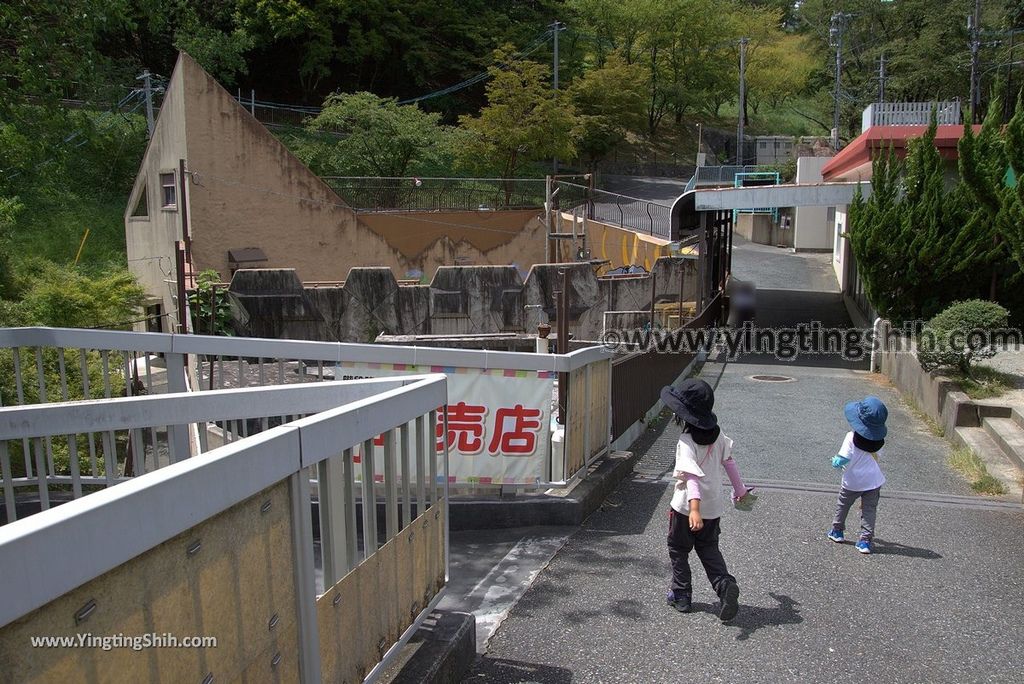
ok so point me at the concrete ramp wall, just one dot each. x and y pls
(460, 300)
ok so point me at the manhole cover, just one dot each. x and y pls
(772, 378)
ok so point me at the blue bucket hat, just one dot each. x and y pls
(867, 417)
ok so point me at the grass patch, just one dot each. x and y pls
(933, 427)
(970, 465)
(985, 382)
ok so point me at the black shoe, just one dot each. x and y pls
(681, 603)
(730, 595)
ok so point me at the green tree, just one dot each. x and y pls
(524, 120)
(910, 239)
(779, 71)
(611, 105)
(67, 297)
(371, 136)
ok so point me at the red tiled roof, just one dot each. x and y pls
(854, 161)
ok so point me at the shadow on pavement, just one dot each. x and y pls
(499, 670)
(752, 618)
(882, 547)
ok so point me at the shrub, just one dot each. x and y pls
(960, 335)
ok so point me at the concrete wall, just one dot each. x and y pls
(430, 240)
(936, 395)
(755, 227)
(247, 190)
(460, 300)
(811, 230)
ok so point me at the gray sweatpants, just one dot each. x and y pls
(868, 509)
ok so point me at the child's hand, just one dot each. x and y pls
(839, 462)
(696, 522)
(741, 497)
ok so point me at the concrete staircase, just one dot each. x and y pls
(1001, 433)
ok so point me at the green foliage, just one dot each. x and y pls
(961, 335)
(51, 49)
(611, 104)
(365, 135)
(211, 34)
(524, 120)
(210, 305)
(66, 297)
(919, 243)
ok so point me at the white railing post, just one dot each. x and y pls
(369, 501)
(305, 577)
(390, 486)
(334, 530)
(177, 435)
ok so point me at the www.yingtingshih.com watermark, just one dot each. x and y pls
(134, 642)
(852, 344)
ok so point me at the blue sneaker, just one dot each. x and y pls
(864, 546)
(836, 536)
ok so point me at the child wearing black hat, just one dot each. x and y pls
(862, 476)
(703, 460)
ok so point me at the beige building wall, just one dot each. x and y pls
(811, 228)
(245, 189)
(150, 238)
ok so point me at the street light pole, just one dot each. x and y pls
(836, 29)
(973, 29)
(743, 101)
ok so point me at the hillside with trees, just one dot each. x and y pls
(438, 87)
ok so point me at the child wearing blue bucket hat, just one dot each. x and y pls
(862, 476)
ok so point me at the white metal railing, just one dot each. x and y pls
(52, 364)
(910, 114)
(49, 554)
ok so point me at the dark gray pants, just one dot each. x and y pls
(868, 509)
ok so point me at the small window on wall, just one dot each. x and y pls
(141, 209)
(168, 191)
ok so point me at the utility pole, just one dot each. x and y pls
(556, 26)
(147, 86)
(975, 34)
(835, 33)
(743, 101)
(881, 78)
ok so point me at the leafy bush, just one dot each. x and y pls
(210, 305)
(960, 335)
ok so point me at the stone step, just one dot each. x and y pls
(999, 465)
(1009, 436)
(1017, 417)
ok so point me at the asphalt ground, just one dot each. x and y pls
(938, 601)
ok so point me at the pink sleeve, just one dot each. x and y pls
(738, 488)
(692, 486)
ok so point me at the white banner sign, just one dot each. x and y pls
(498, 421)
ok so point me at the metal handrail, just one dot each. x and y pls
(102, 531)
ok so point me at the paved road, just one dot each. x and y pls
(938, 602)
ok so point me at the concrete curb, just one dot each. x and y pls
(442, 651)
(545, 509)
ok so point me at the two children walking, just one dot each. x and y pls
(704, 460)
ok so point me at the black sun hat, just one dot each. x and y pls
(692, 401)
